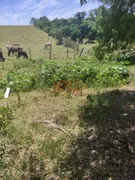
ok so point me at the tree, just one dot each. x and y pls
(37, 23)
(75, 34)
(88, 30)
(83, 2)
(79, 16)
(32, 21)
(118, 23)
(45, 21)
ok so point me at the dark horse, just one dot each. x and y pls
(23, 54)
(14, 50)
(1, 57)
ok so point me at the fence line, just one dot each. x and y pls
(54, 54)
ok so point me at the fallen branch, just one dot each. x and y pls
(55, 126)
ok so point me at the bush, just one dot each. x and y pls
(112, 76)
(126, 57)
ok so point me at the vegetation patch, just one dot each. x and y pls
(47, 73)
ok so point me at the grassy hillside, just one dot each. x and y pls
(29, 36)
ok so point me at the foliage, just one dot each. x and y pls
(127, 57)
(76, 71)
(76, 28)
(117, 22)
(112, 76)
(19, 81)
(46, 74)
(67, 42)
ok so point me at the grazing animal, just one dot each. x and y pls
(48, 45)
(23, 54)
(14, 50)
(1, 57)
(13, 45)
(8, 46)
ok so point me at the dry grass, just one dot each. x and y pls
(26, 136)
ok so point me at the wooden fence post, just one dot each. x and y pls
(67, 53)
(74, 52)
(50, 53)
(82, 51)
(77, 49)
(30, 52)
(3, 65)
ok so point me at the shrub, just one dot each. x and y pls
(112, 76)
(126, 57)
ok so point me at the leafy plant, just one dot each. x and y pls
(127, 57)
(19, 82)
(112, 76)
(48, 73)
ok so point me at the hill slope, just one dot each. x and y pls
(27, 36)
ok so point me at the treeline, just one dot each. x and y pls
(113, 24)
(78, 28)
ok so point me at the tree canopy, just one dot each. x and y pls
(83, 2)
(76, 28)
(117, 22)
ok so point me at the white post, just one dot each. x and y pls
(7, 93)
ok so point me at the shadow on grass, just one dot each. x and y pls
(106, 150)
